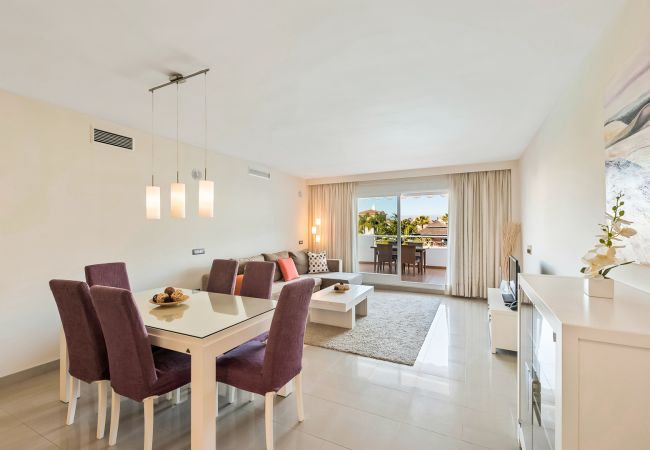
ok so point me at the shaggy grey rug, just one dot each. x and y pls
(394, 329)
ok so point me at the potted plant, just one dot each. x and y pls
(602, 258)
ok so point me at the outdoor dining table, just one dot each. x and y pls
(206, 326)
(418, 248)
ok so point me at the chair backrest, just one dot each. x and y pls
(385, 252)
(283, 358)
(258, 279)
(408, 253)
(223, 275)
(129, 351)
(108, 274)
(83, 333)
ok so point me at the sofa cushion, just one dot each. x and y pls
(273, 257)
(317, 262)
(242, 262)
(288, 269)
(278, 285)
(301, 260)
(238, 282)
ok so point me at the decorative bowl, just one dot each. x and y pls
(341, 287)
(171, 297)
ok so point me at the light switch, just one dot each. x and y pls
(198, 251)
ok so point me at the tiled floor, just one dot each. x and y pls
(457, 396)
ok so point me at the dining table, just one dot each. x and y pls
(205, 326)
(418, 248)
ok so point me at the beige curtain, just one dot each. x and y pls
(479, 208)
(333, 204)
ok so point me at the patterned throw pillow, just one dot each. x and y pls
(317, 262)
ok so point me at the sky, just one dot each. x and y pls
(412, 206)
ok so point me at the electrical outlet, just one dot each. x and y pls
(300, 242)
(198, 251)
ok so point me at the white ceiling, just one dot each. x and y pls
(317, 88)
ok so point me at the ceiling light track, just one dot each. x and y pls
(177, 78)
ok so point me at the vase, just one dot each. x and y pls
(599, 287)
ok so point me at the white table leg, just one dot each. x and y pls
(286, 390)
(204, 407)
(362, 308)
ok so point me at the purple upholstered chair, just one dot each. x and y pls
(136, 371)
(257, 282)
(108, 274)
(88, 360)
(264, 368)
(223, 275)
(258, 279)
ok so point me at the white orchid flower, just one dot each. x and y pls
(627, 232)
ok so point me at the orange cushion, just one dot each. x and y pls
(238, 282)
(288, 269)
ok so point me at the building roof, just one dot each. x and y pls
(435, 228)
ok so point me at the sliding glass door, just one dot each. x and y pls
(377, 234)
(423, 226)
(403, 238)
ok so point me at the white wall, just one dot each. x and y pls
(562, 170)
(66, 203)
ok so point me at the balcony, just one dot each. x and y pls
(431, 249)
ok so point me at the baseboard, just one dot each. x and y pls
(29, 373)
(401, 288)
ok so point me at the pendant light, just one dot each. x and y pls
(178, 188)
(152, 193)
(206, 187)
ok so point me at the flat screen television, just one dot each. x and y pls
(512, 286)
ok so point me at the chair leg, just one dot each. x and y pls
(268, 419)
(148, 423)
(176, 396)
(115, 418)
(73, 384)
(102, 387)
(299, 403)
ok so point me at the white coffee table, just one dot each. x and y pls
(339, 309)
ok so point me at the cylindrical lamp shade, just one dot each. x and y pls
(318, 238)
(313, 230)
(152, 196)
(318, 221)
(206, 198)
(178, 200)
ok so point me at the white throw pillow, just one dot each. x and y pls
(317, 262)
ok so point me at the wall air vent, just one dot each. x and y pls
(259, 173)
(116, 140)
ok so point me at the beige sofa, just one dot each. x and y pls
(322, 280)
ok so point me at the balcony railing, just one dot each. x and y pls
(427, 241)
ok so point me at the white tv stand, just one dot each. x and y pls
(502, 321)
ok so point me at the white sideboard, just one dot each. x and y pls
(584, 366)
(502, 322)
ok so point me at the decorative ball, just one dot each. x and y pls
(169, 290)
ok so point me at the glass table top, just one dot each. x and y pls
(203, 314)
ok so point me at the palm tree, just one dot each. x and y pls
(421, 221)
(444, 218)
